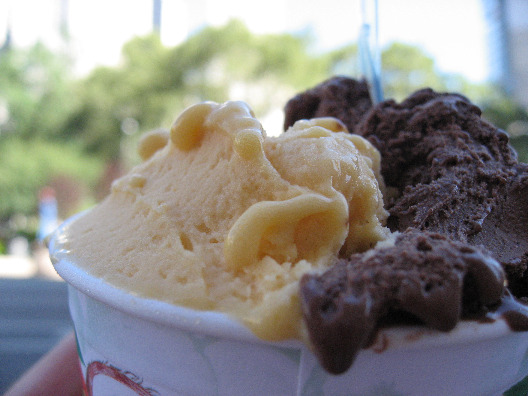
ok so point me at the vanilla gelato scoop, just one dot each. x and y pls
(218, 216)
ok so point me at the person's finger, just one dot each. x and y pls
(56, 373)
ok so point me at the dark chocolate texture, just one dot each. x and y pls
(423, 274)
(458, 196)
(454, 173)
(343, 98)
(449, 170)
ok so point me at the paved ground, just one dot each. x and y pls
(34, 316)
(25, 266)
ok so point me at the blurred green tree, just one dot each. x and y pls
(35, 101)
(34, 90)
(29, 165)
(407, 68)
(47, 117)
(502, 111)
(154, 83)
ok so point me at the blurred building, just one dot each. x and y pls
(507, 22)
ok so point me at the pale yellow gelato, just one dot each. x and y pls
(221, 217)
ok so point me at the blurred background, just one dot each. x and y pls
(81, 81)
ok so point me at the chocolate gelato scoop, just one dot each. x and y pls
(450, 171)
(457, 203)
(455, 174)
(343, 98)
(425, 275)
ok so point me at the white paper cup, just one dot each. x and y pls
(132, 345)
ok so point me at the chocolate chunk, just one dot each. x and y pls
(422, 274)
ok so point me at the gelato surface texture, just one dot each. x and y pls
(221, 217)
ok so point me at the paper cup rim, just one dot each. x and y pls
(220, 325)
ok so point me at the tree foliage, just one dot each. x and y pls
(407, 68)
(29, 165)
(58, 127)
(154, 83)
(34, 89)
(35, 99)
